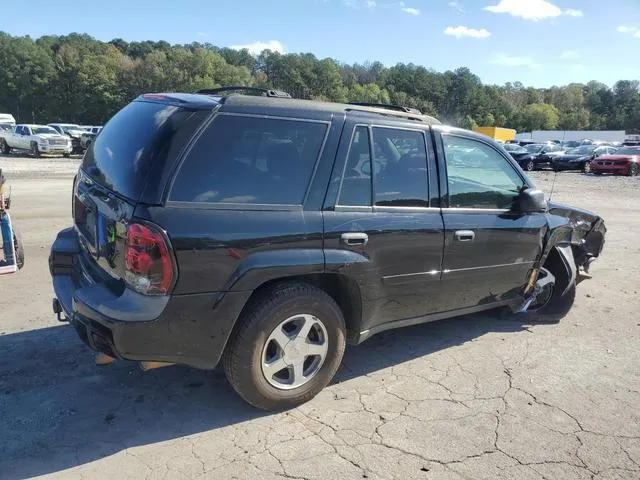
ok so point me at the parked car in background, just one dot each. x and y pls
(567, 144)
(579, 158)
(266, 233)
(624, 161)
(535, 156)
(36, 139)
(88, 136)
(73, 131)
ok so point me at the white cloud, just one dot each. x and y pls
(572, 12)
(623, 29)
(357, 4)
(202, 34)
(635, 31)
(410, 10)
(531, 9)
(505, 60)
(257, 47)
(456, 5)
(462, 31)
(570, 55)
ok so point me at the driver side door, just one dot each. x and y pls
(489, 247)
(24, 138)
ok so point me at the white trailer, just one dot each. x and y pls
(565, 135)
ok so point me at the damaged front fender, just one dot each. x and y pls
(584, 231)
(577, 235)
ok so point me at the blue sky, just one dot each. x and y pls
(538, 42)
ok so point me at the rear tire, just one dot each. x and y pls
(245, 357)
(66, 155)
(633, 170)
(586, 168)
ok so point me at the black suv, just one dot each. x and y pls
(269, 232)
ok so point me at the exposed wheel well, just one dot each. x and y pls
(341, 288)
(555, 264)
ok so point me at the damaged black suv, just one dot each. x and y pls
(269, 232)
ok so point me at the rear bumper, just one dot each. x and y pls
(568, 165)
(186, 329)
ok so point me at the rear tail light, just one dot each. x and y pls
(149, 265)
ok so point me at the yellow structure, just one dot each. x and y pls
(497, 133)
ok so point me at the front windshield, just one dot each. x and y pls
(534, 148)
(41, 130)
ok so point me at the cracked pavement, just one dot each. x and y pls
(478, 397)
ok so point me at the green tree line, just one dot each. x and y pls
(77, 78)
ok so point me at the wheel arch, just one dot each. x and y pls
(344, 290)
(561, 263)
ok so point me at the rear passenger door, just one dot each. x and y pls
(489, 247)
(382, 224)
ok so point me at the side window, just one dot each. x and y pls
(242, 159)
(26, 131)
(356, 182)
(18, 131)
(478, 176)
(400, 175)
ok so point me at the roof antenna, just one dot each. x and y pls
(555, 172)
(553, 185)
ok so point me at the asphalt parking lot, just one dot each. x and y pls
(479, 397)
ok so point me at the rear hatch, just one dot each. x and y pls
(127, 164)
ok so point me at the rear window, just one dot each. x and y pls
(137, 136)
(250, 160)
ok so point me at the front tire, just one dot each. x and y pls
(586, 168)
(17, 242)
(287, 347)
(6, 149)
(35, 151)
(530, 166)
(633, 170)
(557, 307)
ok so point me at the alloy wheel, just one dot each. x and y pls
(294, 352)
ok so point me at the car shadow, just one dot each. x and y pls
(59, 410)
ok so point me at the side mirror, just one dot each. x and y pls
(531, 200)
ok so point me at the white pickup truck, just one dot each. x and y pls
(36, 139)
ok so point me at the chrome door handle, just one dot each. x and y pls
(354, 238)
(464, 235)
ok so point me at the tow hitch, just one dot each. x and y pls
(545, 280)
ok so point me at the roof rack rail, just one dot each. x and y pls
(266, 92)
(386, 106)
